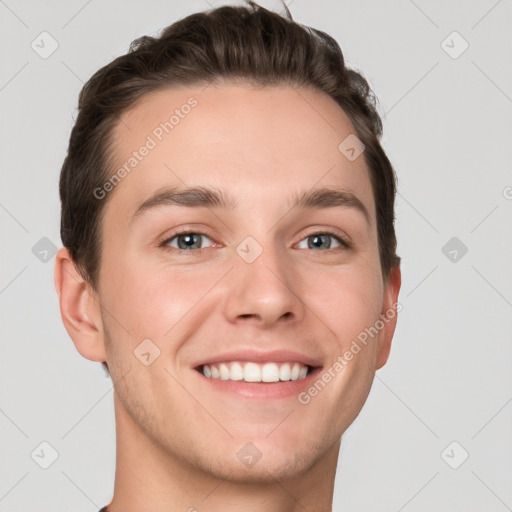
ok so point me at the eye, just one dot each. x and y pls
(186, 241)
(316, 240)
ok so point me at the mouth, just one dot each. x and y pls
(251, 380)
(253, 372)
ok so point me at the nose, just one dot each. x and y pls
(262, 292)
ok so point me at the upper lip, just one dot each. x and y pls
(273, 356)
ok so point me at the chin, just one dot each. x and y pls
(266, 471)
(261, 462)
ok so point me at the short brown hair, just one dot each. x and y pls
(248, 43)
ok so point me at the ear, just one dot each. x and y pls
(79, 308)
(389, 315)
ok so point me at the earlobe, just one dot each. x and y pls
(389, 315)
(79, 308)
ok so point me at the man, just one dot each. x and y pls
(228, 223)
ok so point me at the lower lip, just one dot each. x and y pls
(265, 390)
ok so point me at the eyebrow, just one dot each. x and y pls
(211, 197)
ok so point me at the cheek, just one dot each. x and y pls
(347, 299)
(150, 301)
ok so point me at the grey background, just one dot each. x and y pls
(448, 133)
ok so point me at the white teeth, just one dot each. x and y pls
(237, 371)
(270, 372)
(224, 371)
(285, 372)
(254, 372)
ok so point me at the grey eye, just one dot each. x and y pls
(187, 241)
(320, 240)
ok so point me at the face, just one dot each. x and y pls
(255, 280)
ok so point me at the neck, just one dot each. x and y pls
(148, 477)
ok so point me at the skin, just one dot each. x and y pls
(177, 437)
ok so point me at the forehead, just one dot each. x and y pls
(261, 143)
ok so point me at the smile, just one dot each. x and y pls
(255, 372)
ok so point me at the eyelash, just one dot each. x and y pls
(163, 243)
